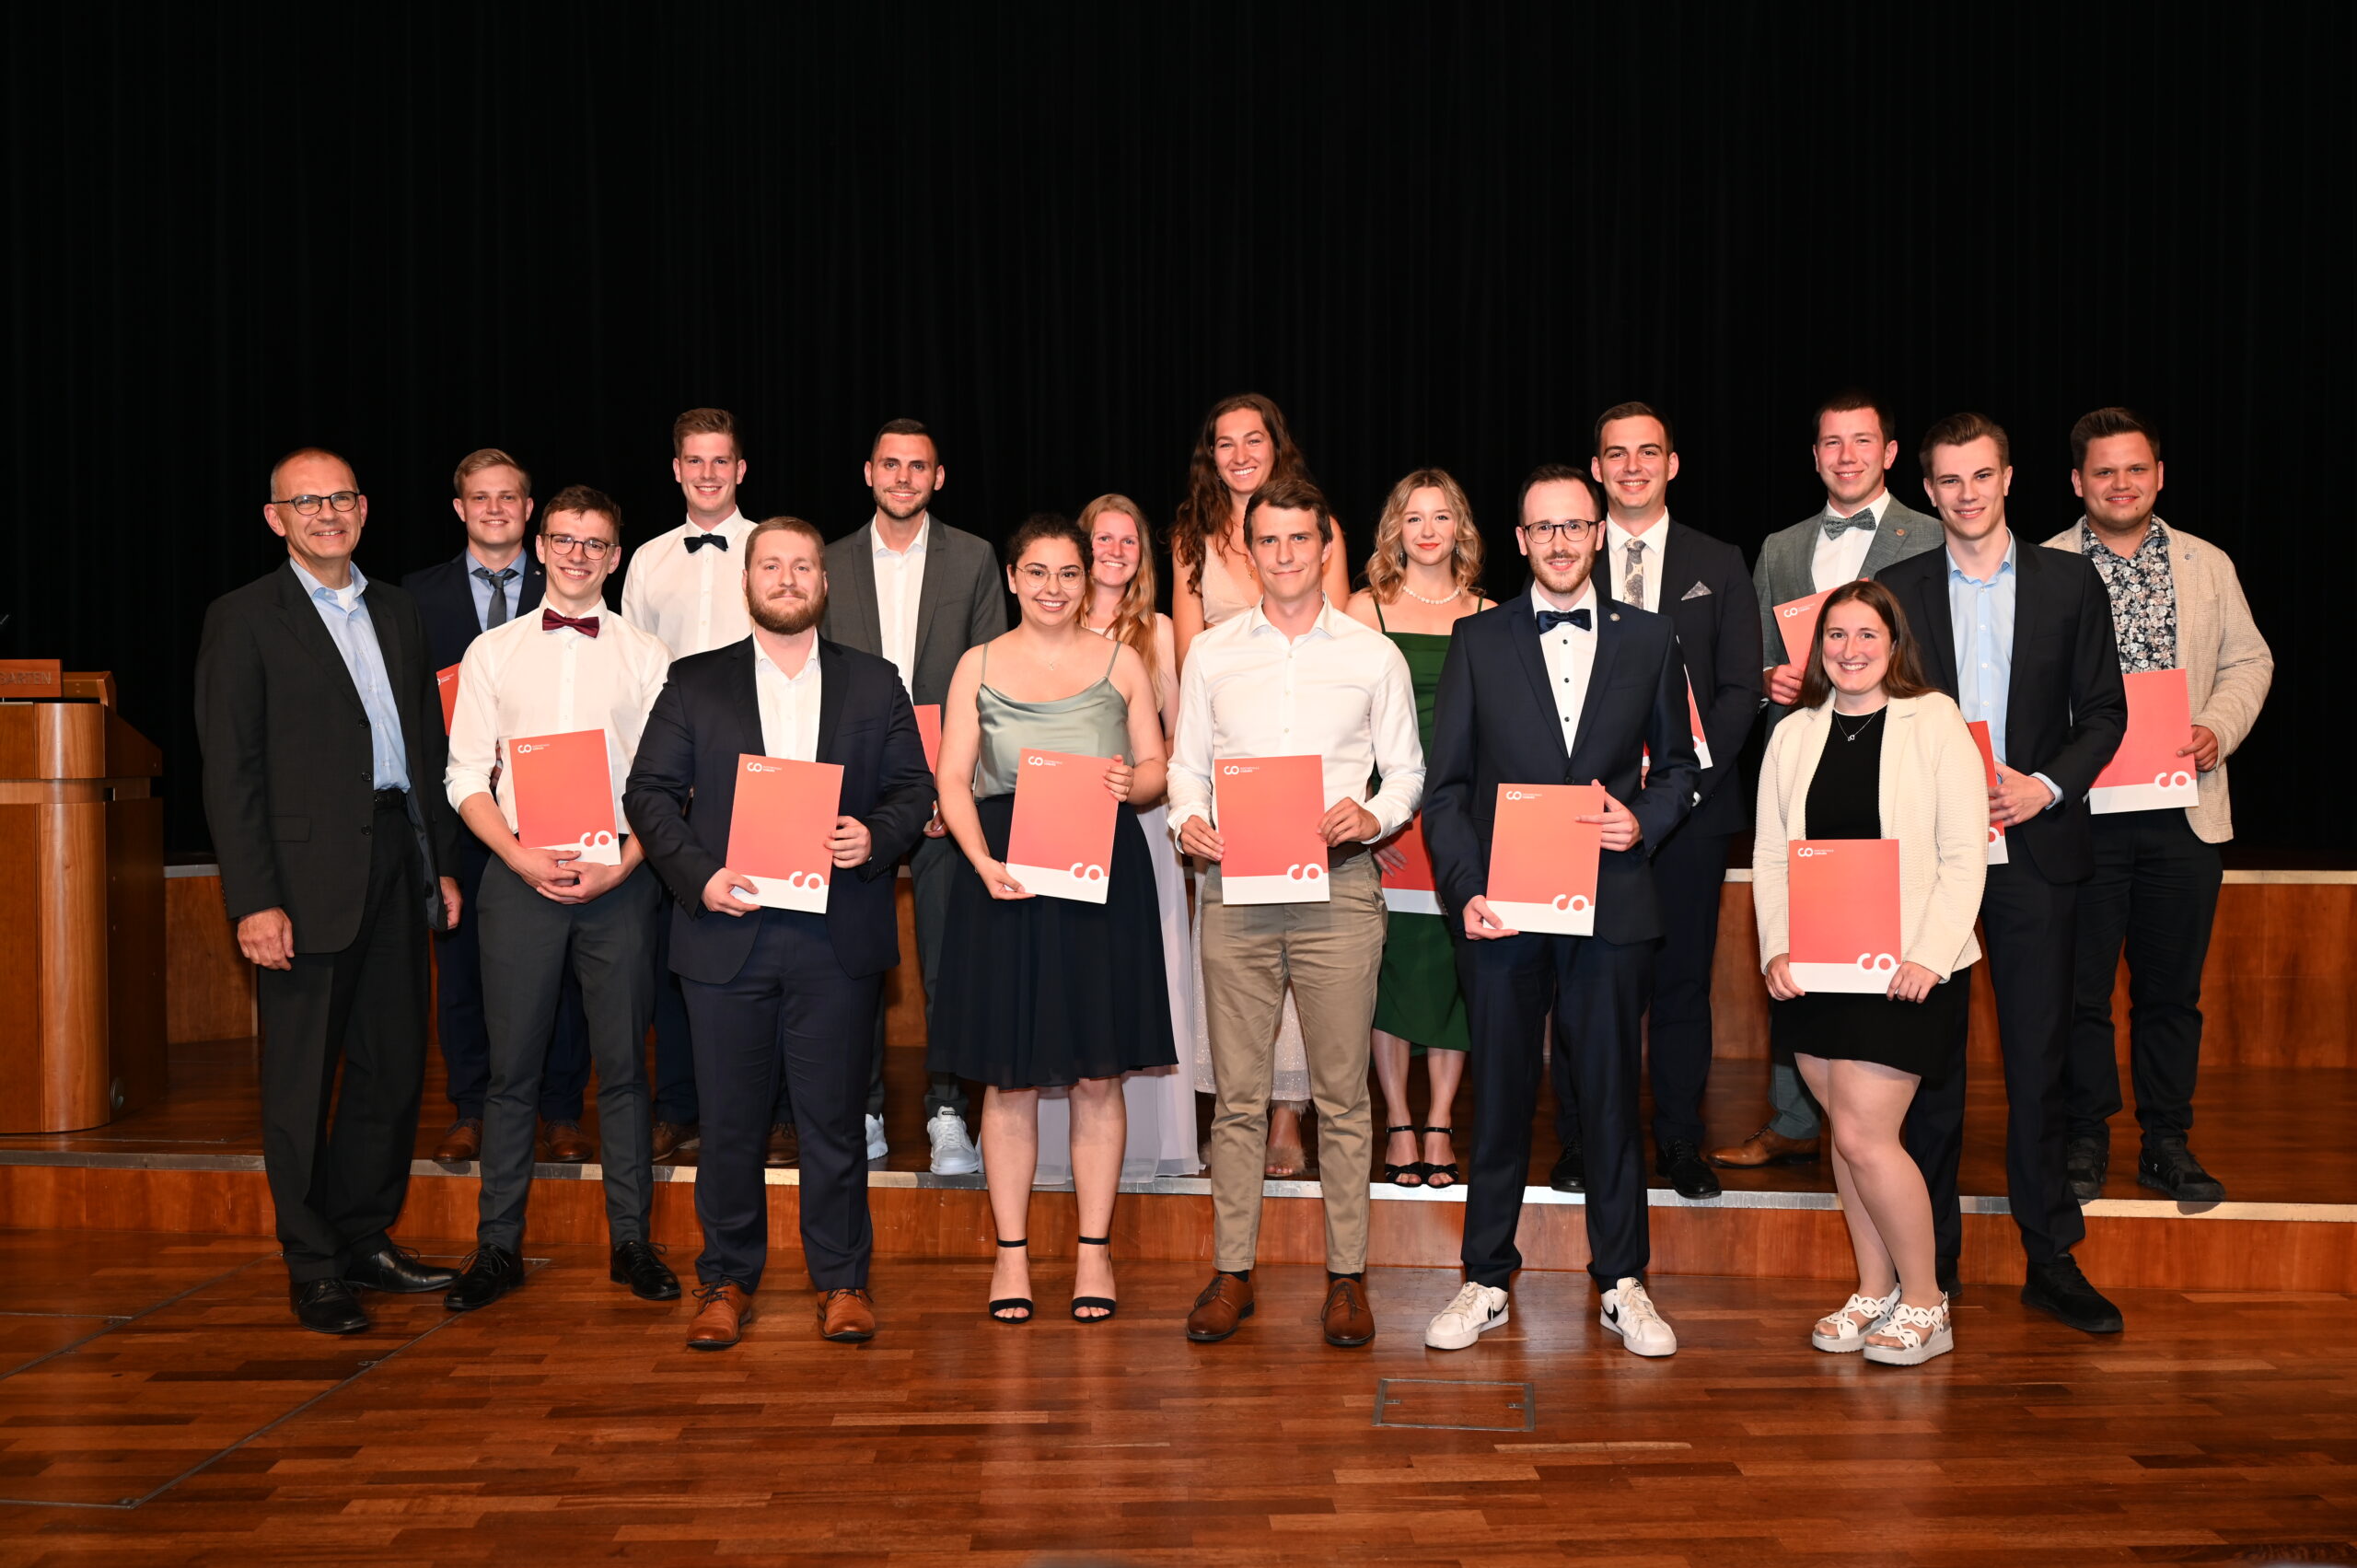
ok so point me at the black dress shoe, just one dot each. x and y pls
(327, 1307)
(2169, 1166)
(1950, 1287)
(1681, 1161)
(649, 1278)
(2061, 1289)
(1570, 1174)
(396, 1269)
(491, 1273)
(2083, 1164)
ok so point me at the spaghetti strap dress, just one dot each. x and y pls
(1416, 998)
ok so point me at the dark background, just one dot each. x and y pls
(1055, 237)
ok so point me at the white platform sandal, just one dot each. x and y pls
(1922, 1332)
(1864, 1315)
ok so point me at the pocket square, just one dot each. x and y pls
(1699, 590)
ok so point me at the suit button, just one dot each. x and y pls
(366, 831)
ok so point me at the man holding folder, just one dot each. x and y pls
(1294, 677)
(773, 990)
(1559, 685)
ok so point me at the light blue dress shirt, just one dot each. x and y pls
(344, 612)
(1983, 615)
(512, 591)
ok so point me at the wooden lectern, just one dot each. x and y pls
(81, 911)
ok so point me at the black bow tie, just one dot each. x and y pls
(698, 540)
(1550, 618)
(1836, 527)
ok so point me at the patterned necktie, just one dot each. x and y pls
(717, 540)
(1632, 575)
(497, 614)
(1550, 618)
(551, 622)
(1836, 527)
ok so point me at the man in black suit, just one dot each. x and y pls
(2020, 637)
(1657, 564)
(323, 755)
(772, 988)
(1559, 685)
(488, 584)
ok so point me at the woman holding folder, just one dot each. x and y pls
(1050, 992)
(1873, 751)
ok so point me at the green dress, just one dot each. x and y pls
(1417, 998)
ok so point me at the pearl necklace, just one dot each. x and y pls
(1450, 598)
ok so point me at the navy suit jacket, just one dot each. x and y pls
(1718, 637)
(447, 601)
(682, 790)
(1494, 722)
(2065, 708)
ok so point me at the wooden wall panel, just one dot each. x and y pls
(210, 995)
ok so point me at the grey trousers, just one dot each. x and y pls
(528, 941)
(1797, 1115)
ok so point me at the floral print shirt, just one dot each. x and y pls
(2143, 597)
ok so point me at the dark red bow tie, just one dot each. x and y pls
(586, 625)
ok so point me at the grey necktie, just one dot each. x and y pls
(497, 614)
(1836, 527)
(1632, 575)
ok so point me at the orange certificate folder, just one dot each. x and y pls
(1412, 890)
(2146, 772)
(446, 682)
(929, 732)
(1844, 926)
(1998, 854)
(1797, 620)
(1543, 858)
(1268, 810)
(564, 794)
(778, 831)
(1061, 843)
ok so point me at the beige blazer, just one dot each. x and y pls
(1934, 799)
(2228, 666)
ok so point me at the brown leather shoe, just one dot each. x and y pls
(1220, 1310)
(720, 1321)
(1349, 1320)
(784, 1148)
(462, 1141)
(670, 1137)
(567, 1144)
(1766, 1146)
(847, 1317)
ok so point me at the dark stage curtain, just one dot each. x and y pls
(1446, 236)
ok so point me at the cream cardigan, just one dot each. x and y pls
(1935, 800)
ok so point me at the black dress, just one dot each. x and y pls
(1844, 802)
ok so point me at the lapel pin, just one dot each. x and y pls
(1615, 616)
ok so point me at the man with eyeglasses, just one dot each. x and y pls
(322, 739)
(487, 584)
(1561, 685)
(547, 912)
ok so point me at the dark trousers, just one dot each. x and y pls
(338, 1179)
(458, 1013)
(2155, 893)
(934, 865)
(1594, 991)
(532, 944)
(793, 1010)
(2028, 925)
(676, 1098)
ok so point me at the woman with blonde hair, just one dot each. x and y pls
(1424, 578)
(1876, 751)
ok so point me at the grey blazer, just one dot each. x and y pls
(961, 603)
(1784, 570)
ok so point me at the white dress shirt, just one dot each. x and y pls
(517, 680)
(789, 706)
(1617, 541)
(1339, 691)
(899, 592)
(693, 601)
(1843, 559)
(1570, 654)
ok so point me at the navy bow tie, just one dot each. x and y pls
(551, 622)
(698, 540)
(1836, 527)
(1550, 618)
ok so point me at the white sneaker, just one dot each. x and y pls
(877, 1147)
(1629, 1312)
(952, 1152)
(1475, 1310)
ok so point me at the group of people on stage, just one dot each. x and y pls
(1639, 658)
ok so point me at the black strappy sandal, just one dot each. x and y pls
(1109, 1305)
(1394, 1173)
(1007, 1301)
(1450, 1170)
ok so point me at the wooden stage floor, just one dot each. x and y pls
(158, 1406)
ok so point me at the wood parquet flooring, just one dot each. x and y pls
(568, 1424)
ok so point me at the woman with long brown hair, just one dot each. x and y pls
(1874, 751)
(1424, 578)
